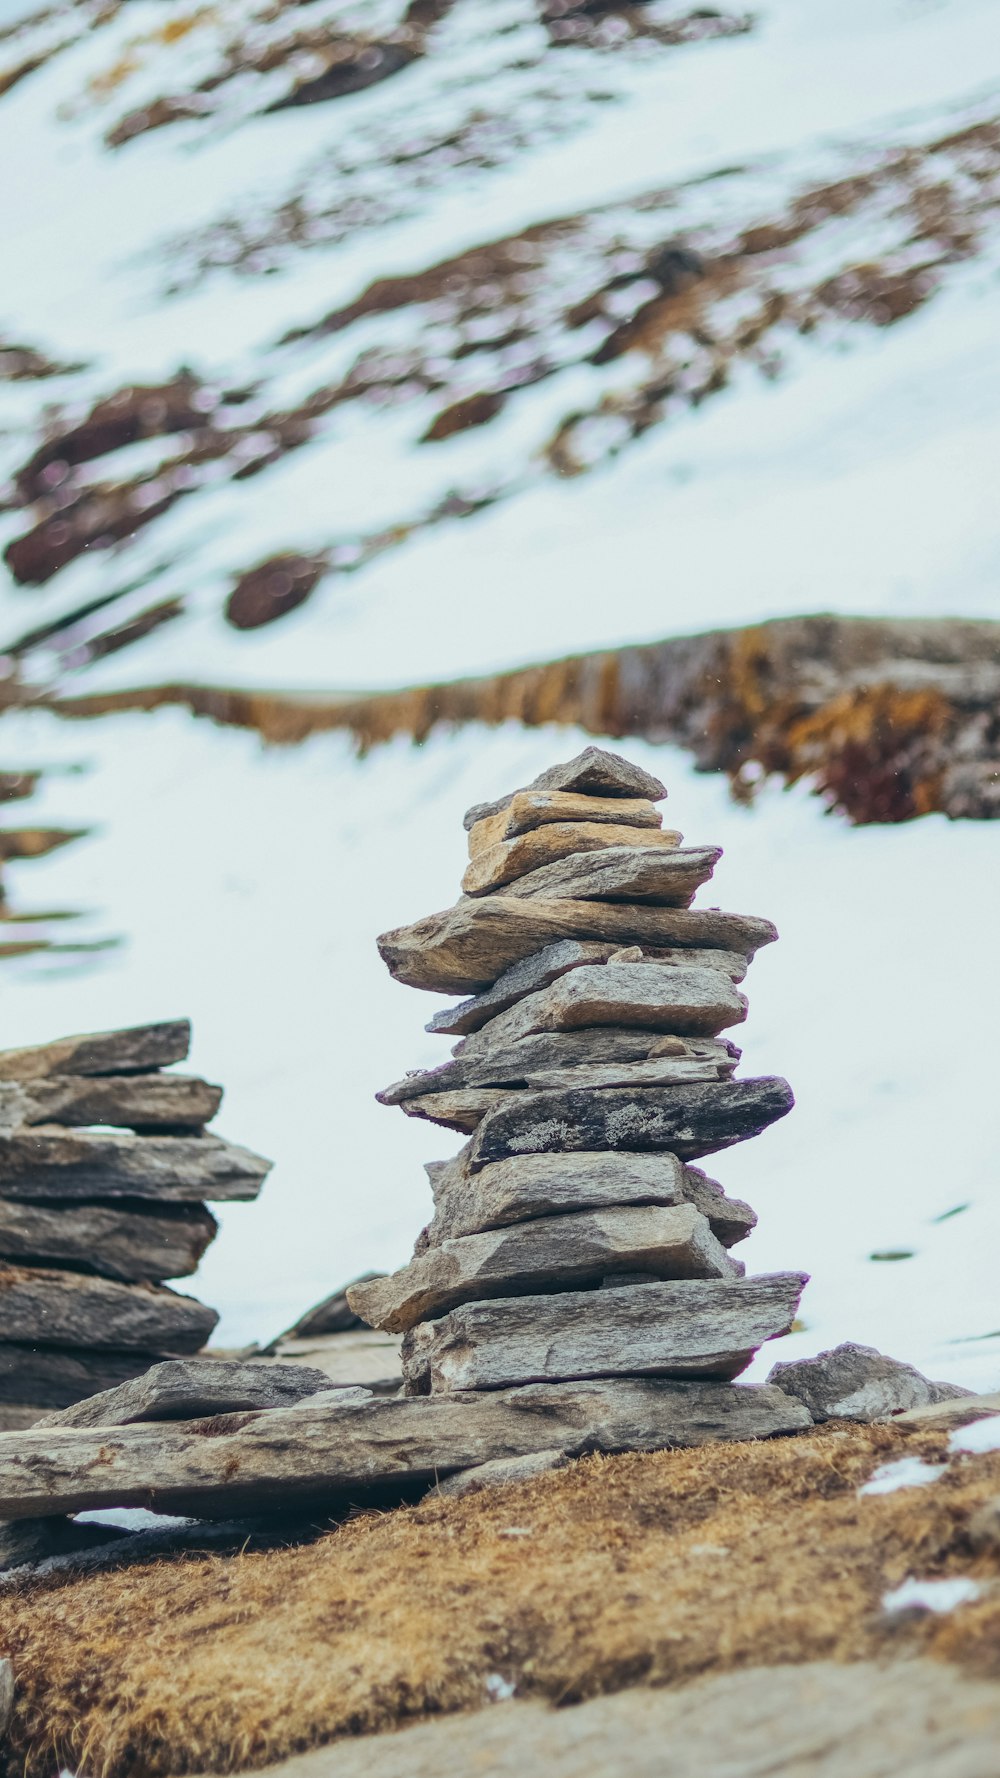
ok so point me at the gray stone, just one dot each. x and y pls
(323, 1451)
(39, 1306)
(690, 1121)
(165, 1241)
(552, 1252)
(681, 1002)
(48, 1162)
(464, 949)
(665, 877)
(36, 1378)
(853, 1382)
(594, 772)
(139, 1101)
(500, 1473)
(536, 1185)
(525, 977)
(359, 1357)
(510, 1063)
(190, 1389)
(691, 1328)
(137, 1050)
(6, 1696)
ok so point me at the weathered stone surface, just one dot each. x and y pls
(6, 1694)
(359, 1357)
(594, 772)
(853, 1382)
(556, 960)
(48, 1162)
(49, 1308)
(530, 809)
(509, 860)
(141, 1101)
(322, 1451)
(663, 1071)
(690, 1328)
(683, 1002)
(499, 1474)
(148, 1245)
(667, 878)
(466, 947)
(688, 1120)
(534, 1185)
(509, 1063)
(948, 1415)
(53, 1376)
(550, 1253)
(191, 1389)
(36, 1540)
(137, 1050)
(461, 1110)
(333, 1315)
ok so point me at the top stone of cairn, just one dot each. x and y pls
(592, 773)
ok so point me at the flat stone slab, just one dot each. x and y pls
(465, 948)
(509, 860)
(358, 1358)
(511, 1062)
(49, 1162)
(679, 1002)
(690, 1121)
(531, 809)
(853, 1382)
(324, 1451)
(691, 1328)
(550, 1253)
(44, 1307)
(501, 1473)
(175, 1101)
(537, 1185)
(132, 1245)
(191, 1389)
(462, 1110)
(136, 1050)
(555, 960)
(594, 772)
(663, 876)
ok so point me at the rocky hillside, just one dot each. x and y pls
(360, 345)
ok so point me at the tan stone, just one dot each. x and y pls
(510, 859)
(529, 809)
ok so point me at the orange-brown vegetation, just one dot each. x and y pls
(615, 1571)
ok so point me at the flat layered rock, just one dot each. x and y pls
(537, 1185)
(680, 1002)
(594, 772)
(464, 949)
(508, 860)
(49, 1162)
(461, 1110)
(692, 1328)
(358, 1358)
(501, 1473)
(556, 960)
(690, 1121)
(853, 1382)
(129, 1244)
(48, 1308)
(322, 1452)
(664, 1071)
(191, 1389)
(510, 1063)
(552, 1253)
(136, 1050)
(143, 1101)
(531, 809)
(53, 1376)
(667, 878)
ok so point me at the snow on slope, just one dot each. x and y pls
(251, 885)
(795, 409)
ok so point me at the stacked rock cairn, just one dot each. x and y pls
(573, 1238)
(105, 1164)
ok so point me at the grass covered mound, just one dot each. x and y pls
(615, 1571)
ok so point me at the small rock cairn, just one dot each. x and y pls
(572, 1237)
(93, 1218)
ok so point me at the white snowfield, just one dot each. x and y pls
(251, 885)
(850, 470)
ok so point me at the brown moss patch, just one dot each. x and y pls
(650, 1568)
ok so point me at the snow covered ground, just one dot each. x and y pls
(251, 885)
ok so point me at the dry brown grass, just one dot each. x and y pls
(616, 1571)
